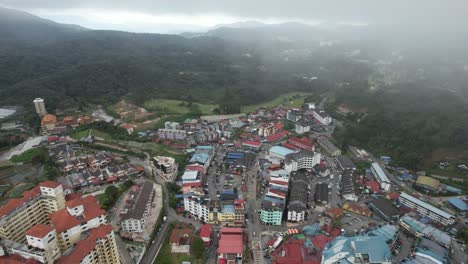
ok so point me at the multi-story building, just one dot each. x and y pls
(44, 227)
(98, 247)
(345, 163)
(302, 143)
(19, 215)
(78, 216)
(199, 207)
(348, 186)
(426, 209)
(44, 237)
(231, 245)
(380, 176)
(298, 197)
(293, 115)
(301, 160)
(329, 147)
(172, 134)
(322, 117)
(166, 167)
(137, 208)
(39, 106)
(304, 124)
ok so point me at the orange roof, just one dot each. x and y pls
(39, 230)
(16, 259)
(74, 203)
(62, 220)
(49, 119)
(50, 184)
(85, 246)
(12, 204)
(334, 212)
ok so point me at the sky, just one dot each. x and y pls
(172, 16)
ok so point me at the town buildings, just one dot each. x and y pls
(231, 245)
(380, 176)
(321, 194)
(47, 227)
(426, 209)
(181, 238)
(166, 167)
(137, 208)
(39, 106)
(20, 214)
(328, 147)
(357, 249)
(427, 183)
(298, 197)
(322, 117)
(384, 209)
(278, 152)
(345, 163)
(348, 185)
(301, 160)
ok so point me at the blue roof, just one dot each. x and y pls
(228, 209)
(376, 247)
(452, 189)
(281, 150)
(407, 176)
(199, 158)
(204, 147)
(235, 155)
(458, 203)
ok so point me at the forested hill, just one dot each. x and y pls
(71, 65)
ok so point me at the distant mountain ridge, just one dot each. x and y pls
(24, 27)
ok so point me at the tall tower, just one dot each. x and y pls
(40, 106)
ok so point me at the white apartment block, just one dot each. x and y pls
(426, 209)
(198, 208)
(301, 160)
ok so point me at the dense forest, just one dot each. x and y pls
(419, 103)
(405, 121)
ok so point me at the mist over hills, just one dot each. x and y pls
(414, 83)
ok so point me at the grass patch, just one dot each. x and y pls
(292, 99)
(6, 164)
(79, 134)
(29, 155)
(17, 192)
(84, 133)
(168, 106)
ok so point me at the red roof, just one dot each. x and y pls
(17, 259)
(62, 220)
(72, 196)
(12, 204)
(39, 231)
(139, 168)
(252, 143)
(393, 196)
(277, 192)
(194, 167)
(280, 182)
(374, 186)
(290, 146)
(85, 246)
(74, 203)
(277, 136)
(231, 241)
(301, 142)
(205, 231)
(50, 184)
(320, 241)
(192, 184)
(279, 126)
